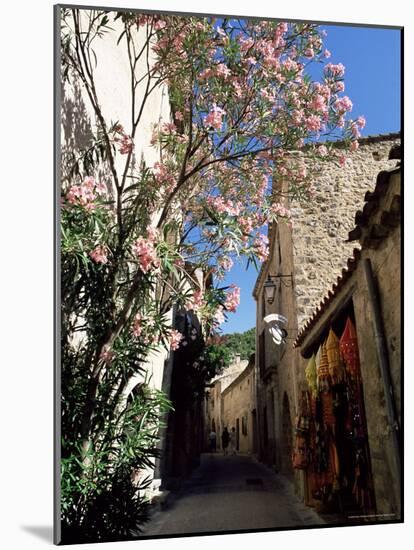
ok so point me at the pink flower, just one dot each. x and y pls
(245, 43)
(313, 123)
(126, 145)
(164, 176)
(354, 145)
(318, 104)
(280, 210)
(160, 24)
(261, 248)
(224, 206)
(342, 160)
(196, 301)
(225, 263)
(99, 254)
(175, 339)
(215, 117)
(179, 115)
(146, 253)
(360, 122)
(232, 299)
(86, 193)
(327, 54)
(309, 52)
(343, 104)
(339, 86)
(335, 70)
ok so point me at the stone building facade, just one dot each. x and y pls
(239, 409)
(369, 290)
(213, 403)
(310, 255)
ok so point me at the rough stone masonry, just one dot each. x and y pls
(320, 228)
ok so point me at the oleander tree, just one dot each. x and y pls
(248, 129)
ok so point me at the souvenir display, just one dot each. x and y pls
(336, 446)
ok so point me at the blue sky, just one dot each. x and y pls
(372, 81)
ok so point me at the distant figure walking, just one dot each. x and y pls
(232, 435)
(213, 441)
(225, 438)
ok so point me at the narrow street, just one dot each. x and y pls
(231, 493)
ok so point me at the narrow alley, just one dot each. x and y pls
(231, 493)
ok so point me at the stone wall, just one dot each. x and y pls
(314, 251)
(238, 402)
(321, 227)
(385, 260)
(214, 403)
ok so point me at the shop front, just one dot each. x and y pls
(331, 440)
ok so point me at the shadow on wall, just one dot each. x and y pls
(76, 125)
(77, 135)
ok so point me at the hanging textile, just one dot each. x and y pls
(348, 346)
(300, 455)
(323, 370)
(317, 364)
(311, 376)
(335, 364)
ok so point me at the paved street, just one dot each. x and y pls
(231, 493)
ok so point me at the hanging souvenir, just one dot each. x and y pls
(317, 363)
(300, 454)
(335, 365)
(328, 409)
(311, 377)
(323, 370)
(348, 346)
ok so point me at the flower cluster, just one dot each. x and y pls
(164, 176)
(232, 299)
(223, 206)
(261, 247)
(196, 302)
(86, 193)
(100, 254)
(175, 338)
(214, 119)
(126, 143)
(144, 249)
(137, 325)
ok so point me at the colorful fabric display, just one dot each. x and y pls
(317, 364)
(348, 346)
(335, 365)
(323, 370)
(311, 376)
